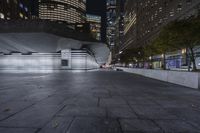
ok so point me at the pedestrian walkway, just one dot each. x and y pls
(95, 102)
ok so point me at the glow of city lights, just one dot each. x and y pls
(2, 16)
(183, 51)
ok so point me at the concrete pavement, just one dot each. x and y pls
(95, 102)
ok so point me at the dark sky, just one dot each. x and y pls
(98, 7)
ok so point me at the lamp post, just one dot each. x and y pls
(150, 59)
(164, 59)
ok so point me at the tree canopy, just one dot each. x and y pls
(179, 34)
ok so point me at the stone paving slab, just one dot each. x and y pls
(174, 104)
(17, 130)
(152, 112)
(190, 115)
(35, 117)
(140, 101)
(94, 125)
(11, 108)
(176, 126)
(138, 125)
(86, 101)
(83, 111)
(57, 125)
(121, 112)
(107, 102)
(53, 100)
(102, 94)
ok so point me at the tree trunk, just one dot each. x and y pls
(193, 59)
(164, 61)
(137, 64)
(188, 59)
(189, 65)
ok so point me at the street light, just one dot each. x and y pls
(183, 51)
(150, 57)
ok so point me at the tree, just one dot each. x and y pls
(135, 54)
(161, 45)
(180, 34)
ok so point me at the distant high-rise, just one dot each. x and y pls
(119, 26)
(145, 18)
(15, 9)
(111, 17)
(69, 11)
(130, 24)
(95, 25)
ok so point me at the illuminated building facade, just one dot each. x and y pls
(145, 18)
(111, 17)
(69, 11)
(95, 25)
(15, 9)
(130, 21)
(119, 27)
(155, 14)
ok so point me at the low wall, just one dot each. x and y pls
(188, 79)
(46, 61)
(30, 62)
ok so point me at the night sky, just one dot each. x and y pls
(98, 7)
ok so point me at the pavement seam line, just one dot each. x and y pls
(72, 121)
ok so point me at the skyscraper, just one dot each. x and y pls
(15, 9)
(95, 25)
(130, 24)
(119, 27)
(69, 11)
(145, 18)
(111, 17)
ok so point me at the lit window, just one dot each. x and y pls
(2, 16)
(21, 5)
(160, 9)
(21, 15)
(172, 13)
(188, 1)
(179, 7)
(26, 9)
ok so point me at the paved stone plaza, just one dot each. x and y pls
(95, 102)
